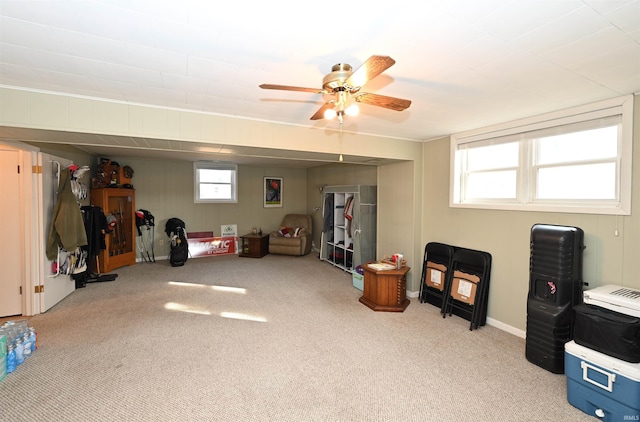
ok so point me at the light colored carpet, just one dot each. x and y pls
(273, 339)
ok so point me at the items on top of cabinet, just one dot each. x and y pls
(109, 174)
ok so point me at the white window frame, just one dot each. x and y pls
(208, 165)
(621, 106)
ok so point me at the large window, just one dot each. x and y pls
(215, 182)
(576, 160)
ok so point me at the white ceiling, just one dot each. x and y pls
(464, 64)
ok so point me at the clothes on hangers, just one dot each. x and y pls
(95, 224)
(327, 219)
(67, 227)
(348, 214)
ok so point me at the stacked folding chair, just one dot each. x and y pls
(436, 271)
(468, 290)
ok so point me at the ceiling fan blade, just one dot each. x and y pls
(292, 88)
(392, 103)
(320, 113)
(374, 66)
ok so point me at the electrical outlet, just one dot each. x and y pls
(161, 242)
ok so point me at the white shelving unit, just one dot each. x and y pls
(349, 239)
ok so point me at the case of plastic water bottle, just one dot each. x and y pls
(3, 356)
(601, 385)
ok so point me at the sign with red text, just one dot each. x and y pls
(212, 246)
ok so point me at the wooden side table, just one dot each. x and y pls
(385, 290)
(254, 245)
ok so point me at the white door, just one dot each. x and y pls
(58, 287)
(11, 238)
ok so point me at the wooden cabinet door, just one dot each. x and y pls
(120, 243)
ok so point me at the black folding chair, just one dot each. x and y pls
(436, 271)
(469, 287)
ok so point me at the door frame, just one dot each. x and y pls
(30, 204)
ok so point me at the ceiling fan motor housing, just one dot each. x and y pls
(335, 80)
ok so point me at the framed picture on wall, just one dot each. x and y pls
(272, 197)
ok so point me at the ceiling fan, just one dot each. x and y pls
(344, 84)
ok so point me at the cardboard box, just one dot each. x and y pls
(358, 281)
(464, 286)
(436, 275)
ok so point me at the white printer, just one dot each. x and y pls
(615, 298)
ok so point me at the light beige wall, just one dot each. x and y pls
(608, 259)
(399, 216)
(165, 188)
(40, 110)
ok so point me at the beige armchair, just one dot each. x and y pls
(294, 236)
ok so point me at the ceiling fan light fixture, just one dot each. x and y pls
(330, 113)
(353, 110)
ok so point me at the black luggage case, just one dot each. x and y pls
(609, 332)
(555, 287)
(555, 267)
(548, 329)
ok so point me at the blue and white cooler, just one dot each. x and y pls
(602, 362)
(601, 385)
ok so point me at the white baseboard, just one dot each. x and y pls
(505, 327)
(490, 321)
(157, 258)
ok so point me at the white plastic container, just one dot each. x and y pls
(358, 281)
